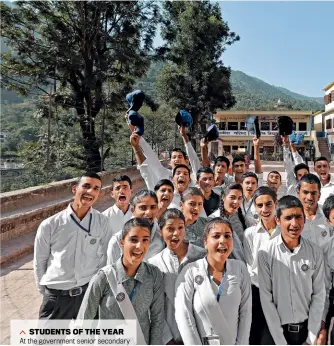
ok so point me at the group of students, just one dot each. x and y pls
(200, 256)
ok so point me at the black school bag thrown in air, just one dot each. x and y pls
(285, 125)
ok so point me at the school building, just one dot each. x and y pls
(236, 138)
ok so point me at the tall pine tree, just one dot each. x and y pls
(82, 45)
(195, 77)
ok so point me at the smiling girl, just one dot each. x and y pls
(192, 207)
(213, 294)
(144, 205)
(129, 288)
(171, 261)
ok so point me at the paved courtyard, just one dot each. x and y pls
(19, 297)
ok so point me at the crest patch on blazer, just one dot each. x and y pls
(199, 279)
(305, 267)
(120, 297)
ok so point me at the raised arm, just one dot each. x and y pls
(205, 153)
(192, 156)
(288, 163)
(257, 160)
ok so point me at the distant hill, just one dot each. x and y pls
(252, 93)
(301, 97)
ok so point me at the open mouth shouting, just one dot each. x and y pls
(122, 199)
(222, 250)
(138, 254)
(175, 242)
(87, 198)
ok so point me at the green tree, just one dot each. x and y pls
(195, 77)
(81, 45)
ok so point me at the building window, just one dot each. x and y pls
(243, 126)
(302, 126)
(265, 126)
(328, 124)
(222, 126)
(294, 127)
(234, 147)
(232, 126)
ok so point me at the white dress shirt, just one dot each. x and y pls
(249, 212)
(228, 180)
(169, 265)
(115, 250)
(317, 229)
(117, 218)
(329, 271)
(192, 305)
(65, 256)
(292, 286)
(255, 238)
(326, 190)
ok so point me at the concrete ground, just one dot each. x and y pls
(19, 296)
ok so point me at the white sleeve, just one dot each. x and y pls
(316, 308)
(245, 308)
(160, 171)
(184, 317)
(267, 300)
(248, 247)
(288, 166)
(114, 251)
(297, 158)
(146, 170)
(193, 158)
(260, 179)
(42, 251)
(329, 267)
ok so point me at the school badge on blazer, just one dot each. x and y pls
(305, 267)
(93, 241)
(120, 297)
(199, 279)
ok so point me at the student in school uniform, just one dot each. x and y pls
(328, 210)
(164, 190)
(274, 180)
(129, 288)
(230, 210)
(316, 226)
(171, 261)
(192, 207)
(322, 168)
(291, 279)
(70, 247)
(213, 294)
(144, 204)
(120, 212)
(249, 185)
(181, 181)
(265, 201)
(205, 181)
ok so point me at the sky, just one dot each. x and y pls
(288, 44)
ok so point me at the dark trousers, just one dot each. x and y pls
(259, 333)
(59, 305)
(295, 334)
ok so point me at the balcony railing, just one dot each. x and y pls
(252, 133)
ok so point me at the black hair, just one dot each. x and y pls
(179, 150)
(212, 223)
(163, 182)
(135, 222)
(301, 166)
(204, 170)
(275, 172)
(89, 175)
(321, 158)
(169, 214)
(137, 197)
(237, 159)
(288, 202)
(222, 159)
(265, 190)
(225, 192)
(328, 206)
(249, 175)
(309, 179)
(191, 191)
(180, 166)
(121, 177)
